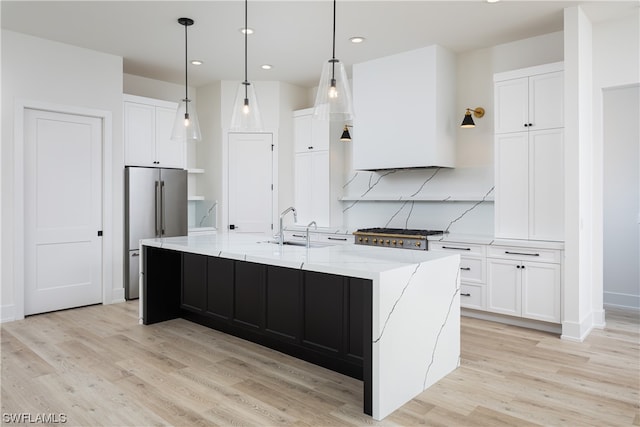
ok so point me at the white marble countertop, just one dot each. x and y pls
(347, 260)
(481, 239)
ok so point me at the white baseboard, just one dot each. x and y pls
(514, 321)
(7, 313)
(117, 295)
(577, 332)
(617, 299)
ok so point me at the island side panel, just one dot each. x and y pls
(416, 331)
(161, 284)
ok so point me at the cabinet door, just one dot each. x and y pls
(282, 307)
(220, 278)
(541, 291)
(546, 185)
(320, 195)
(139, 134)
(546, 103)
(303, 187)
(320, 134)
(302, 133)
(512, 186)
(169, 153)
(249, 295)
(194, 282)
(511, 99)
(504, 287)
(323, 312)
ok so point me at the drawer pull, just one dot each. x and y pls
(519, 253)
(456, 249)
(298, 235)
(342, 239)
(465, 268)
(465, 295)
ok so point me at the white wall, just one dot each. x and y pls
(157, 89)
(621, 196)
(616, 63)
(42, 71)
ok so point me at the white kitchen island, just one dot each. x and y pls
(412, 325)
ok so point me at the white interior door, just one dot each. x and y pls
(250, 182)
(63, 211)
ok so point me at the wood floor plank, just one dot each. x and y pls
(100, 367)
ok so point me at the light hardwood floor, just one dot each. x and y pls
(97, 366)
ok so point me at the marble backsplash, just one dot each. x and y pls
(457, 200)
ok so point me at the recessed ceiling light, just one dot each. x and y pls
(196, 62)
(492, 1)
(266, 66)
(248, 30)
(357, 39)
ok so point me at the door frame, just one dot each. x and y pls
(224, 217)
(18, 195)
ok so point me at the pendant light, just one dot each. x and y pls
(333, 100)
(246, 115)
(185, 125)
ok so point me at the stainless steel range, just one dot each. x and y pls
(394, 237)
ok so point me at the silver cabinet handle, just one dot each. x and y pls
(135, 254)
(298, 235)
(465, 295)
(342, 239)
(456, 249)
(520, 253)
(465, 268)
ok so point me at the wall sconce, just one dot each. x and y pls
(467, 122)
(346, 136)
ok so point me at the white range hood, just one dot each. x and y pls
(405, 110)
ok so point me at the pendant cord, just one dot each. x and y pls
(333, 53)
(246, 32)
(186, 78)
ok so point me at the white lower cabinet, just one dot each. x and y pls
(520, 287)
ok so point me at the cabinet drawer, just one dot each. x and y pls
(297, 235)
(525, 254)
(472, 270)
(473, 296)
(339, 239)
(458, 248)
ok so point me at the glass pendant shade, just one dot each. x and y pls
(333, 100)
(186, 127)
(246, 114)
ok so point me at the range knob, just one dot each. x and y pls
(366, 239)
(393, 242)
(417, 244)
(359, 239)
(400, 242)
(375, 240)
(387, 242)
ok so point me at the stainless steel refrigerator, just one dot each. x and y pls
(155, 206)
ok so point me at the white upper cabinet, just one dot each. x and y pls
(147, 133)
(318, 170)
(405, 110)
(530, 99)
(529, 154)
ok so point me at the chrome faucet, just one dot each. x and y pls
(308, 226)
(295, 218)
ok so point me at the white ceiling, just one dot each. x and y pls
(293, 36)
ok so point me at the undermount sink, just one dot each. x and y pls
(299, 243)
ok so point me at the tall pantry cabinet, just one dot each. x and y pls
(524, 272)
(529, 153)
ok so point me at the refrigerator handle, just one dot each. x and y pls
(162, 207)
(158, 209)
